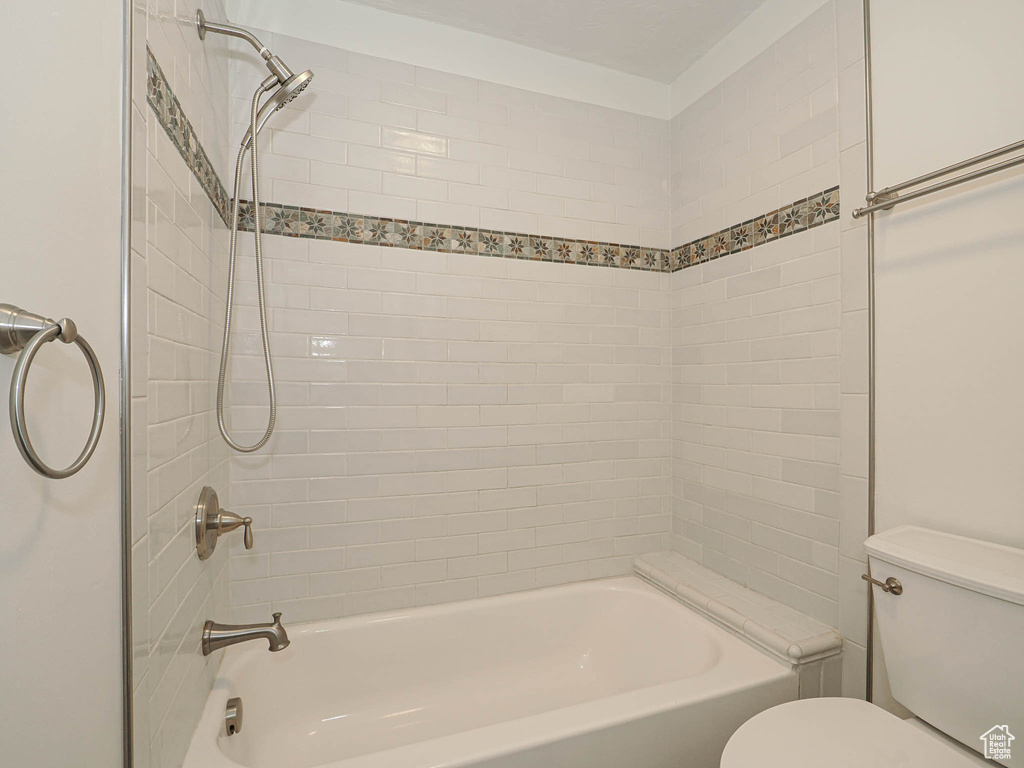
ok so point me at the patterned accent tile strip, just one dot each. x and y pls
(798, 216)
(294, 221)
(181, 133)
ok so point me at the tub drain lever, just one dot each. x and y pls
(233, 716)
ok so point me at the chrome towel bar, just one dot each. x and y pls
(886, 198)
(26, 332)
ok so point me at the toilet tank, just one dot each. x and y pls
(954, 639)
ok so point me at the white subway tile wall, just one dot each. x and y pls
(756, 368)
(380, 138)
(449, 426)
(177, 288)
(453, 426)
(765, 136)
(763, 352)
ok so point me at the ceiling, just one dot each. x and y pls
(657, 39)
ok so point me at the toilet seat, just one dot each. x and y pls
(839, 733)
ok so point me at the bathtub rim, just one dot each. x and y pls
(739, 667)
(630, 582)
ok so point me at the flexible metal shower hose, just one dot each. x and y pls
(266, 86)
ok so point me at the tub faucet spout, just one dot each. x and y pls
(217, 636)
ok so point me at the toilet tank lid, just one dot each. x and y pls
(991, 569)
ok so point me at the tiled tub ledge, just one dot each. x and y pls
(810, 647)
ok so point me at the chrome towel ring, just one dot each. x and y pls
(26, 332)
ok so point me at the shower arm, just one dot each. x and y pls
(274, 64)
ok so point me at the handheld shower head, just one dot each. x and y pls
(293, 86)
(288, 90)
(288, 86)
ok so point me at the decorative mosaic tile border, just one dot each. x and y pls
(798, 216)
(294, 221)
(180, 131)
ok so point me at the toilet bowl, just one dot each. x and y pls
(842, 733)
(951, 636)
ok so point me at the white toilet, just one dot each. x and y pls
(953, 641)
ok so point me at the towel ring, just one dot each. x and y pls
(26, 332)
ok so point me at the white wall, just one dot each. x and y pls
(950, 339)
(768, 347)
(378, 137)
(450, 425)
(763, 137)
(179, 267)
(756, 434)
(454, 426)
(950, 324)
(61, 549)
(756, 341)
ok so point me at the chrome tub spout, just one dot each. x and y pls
(217, 636)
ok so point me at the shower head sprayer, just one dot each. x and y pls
(287, 91)
(283, 86)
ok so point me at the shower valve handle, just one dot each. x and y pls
(212, 522)
(225, 522)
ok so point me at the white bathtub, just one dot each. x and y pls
(602, 673)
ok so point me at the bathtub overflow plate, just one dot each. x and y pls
(233, 716)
